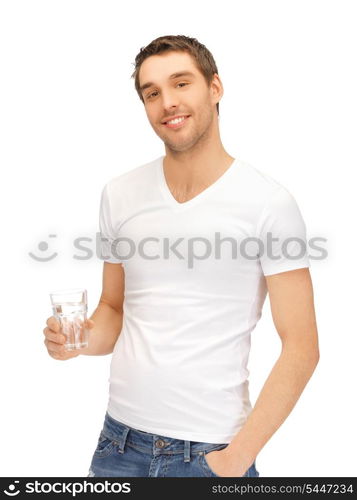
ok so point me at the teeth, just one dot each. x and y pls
(177, 120)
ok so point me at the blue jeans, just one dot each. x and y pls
(126, 452)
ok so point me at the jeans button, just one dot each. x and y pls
(160, 443)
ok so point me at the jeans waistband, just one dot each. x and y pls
(154, 444)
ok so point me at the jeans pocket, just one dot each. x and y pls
(105, 446)
(211, 473)
(251, 472)
(204, 464)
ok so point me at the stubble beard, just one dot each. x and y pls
(197, 139)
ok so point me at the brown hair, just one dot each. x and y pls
(202, 56)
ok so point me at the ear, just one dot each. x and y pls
(216, 89)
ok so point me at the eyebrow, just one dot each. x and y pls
(171, 77)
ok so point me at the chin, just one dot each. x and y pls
(179, 147)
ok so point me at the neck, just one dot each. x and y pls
(196, 169)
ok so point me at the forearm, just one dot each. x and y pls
(104, 334)
(277, 398)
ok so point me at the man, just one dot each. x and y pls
(185, 240)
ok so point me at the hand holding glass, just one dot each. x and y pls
(70, 308)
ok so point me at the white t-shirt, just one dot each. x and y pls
(194, 291)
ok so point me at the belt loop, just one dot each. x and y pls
(186, 453)
(123, 440)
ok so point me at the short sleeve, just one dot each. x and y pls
(107, 249)
(281, 232)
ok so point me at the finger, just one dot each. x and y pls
(53, 354)
(53, 324)
(56, 355)
(59, 338)
(54, 347)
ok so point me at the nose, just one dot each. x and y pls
(170, 100)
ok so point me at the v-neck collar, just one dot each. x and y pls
(200, 196)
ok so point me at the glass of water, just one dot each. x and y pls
(70, 308)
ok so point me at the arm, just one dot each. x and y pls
(108, 316)
(292, 306)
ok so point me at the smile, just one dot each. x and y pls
(177, 122)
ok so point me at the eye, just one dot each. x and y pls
(152, 93)
(155, 92)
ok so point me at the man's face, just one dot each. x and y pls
(169, 95)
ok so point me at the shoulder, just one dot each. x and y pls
(259, 179)
(262, 189)
(133, 178)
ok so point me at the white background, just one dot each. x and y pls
(71, 120)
